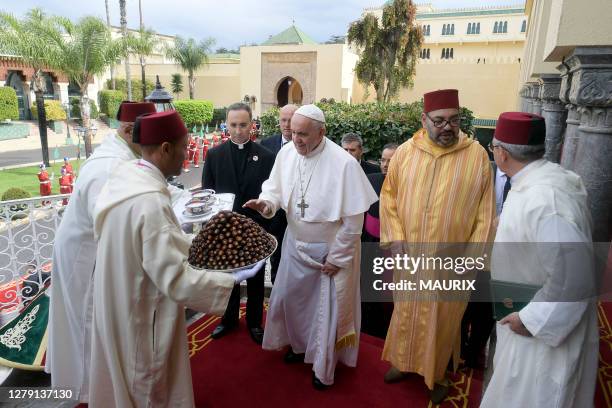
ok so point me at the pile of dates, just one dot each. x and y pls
(229, 241)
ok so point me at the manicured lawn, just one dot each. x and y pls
(26, 179)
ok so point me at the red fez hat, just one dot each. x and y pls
(520, 128)
(442, 99)
(129, 111)
(157, 128)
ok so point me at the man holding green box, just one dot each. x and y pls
(547, 349)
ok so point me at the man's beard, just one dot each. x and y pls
(446, 138)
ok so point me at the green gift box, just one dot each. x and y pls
(510, 297)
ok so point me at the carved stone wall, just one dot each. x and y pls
(276, 66)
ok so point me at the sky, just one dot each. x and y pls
(230, 22)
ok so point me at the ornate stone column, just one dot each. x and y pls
(591, 91)
(529, 97)
(554, 113)
(523, 100)
(570, 140)
(537, 102)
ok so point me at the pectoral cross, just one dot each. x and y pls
(302, 206)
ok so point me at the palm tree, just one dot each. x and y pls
(112, 67)
(82, 51)
(22, 38)
(126, 55)
(143, 44)
(191, 56)
(177, 84)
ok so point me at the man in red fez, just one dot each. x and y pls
(143, 281)
(547, 351)
(74, 256)
(438, 188)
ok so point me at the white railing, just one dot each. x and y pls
(27, 232)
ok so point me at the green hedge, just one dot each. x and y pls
(194, 112)
(75, 109)
(110, 101)
(53, 110)
(121, 85)
(218, 117)
(377, 123)
(8, 104)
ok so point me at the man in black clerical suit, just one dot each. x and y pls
(353, 144)
(274, 144)
(240, 166)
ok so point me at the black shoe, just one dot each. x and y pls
(291, 357)
(221, 330)
(318, 385)
(257, 334)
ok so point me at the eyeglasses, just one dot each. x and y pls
(441, 123)
(492, 147)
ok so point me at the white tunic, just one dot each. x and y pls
(141, 285)
(74, 256)
(557, 367)
(313, 313)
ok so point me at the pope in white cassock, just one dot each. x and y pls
(74, 257)
(546, 354)
(142, 281)
(315, 302)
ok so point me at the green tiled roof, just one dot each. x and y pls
(292, 35)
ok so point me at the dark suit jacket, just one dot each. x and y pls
(272, 143)
(278, 223)
(219, 174)
(369, 168)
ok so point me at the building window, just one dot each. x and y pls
(448, 29)
(444, 29)
(473, 28)
(451, 53)
(426, 30)
(429, 55)
(524, 26)
(447, 53)
(500, 27)
(425, 53)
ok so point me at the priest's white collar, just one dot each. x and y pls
(317, 149)
(240, 145)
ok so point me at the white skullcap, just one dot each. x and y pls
(311, 112)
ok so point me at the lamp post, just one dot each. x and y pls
(69, 140)
(81, 132)
(160, 97)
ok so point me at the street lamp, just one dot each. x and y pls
(160, 97)
(69, 140)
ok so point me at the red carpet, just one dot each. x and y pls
(234, 372)
(603, 392)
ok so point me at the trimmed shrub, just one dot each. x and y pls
(377, 123)
(75, 109)
(110, 101)
(121, 85)
(9, 109)
(53, 110)
(194, 112)
(15, 193)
